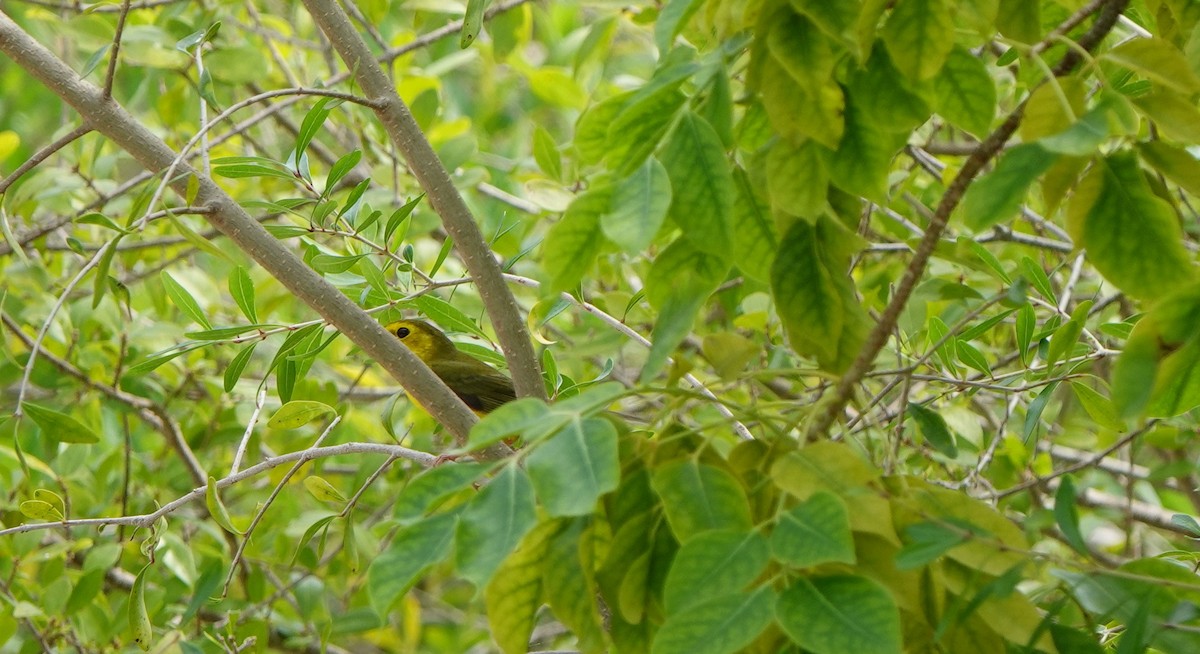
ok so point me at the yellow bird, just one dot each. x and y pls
(480, 386)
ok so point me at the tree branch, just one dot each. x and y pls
(984, 153)
(435, 180)
(112, 120)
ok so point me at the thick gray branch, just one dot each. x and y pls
(109, 118)
(432, 175)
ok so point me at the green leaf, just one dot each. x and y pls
(861, 162)
(85, 591)
(472, 23)
(1176, 163)
(139, 617)
(919, 35)
(696, 164)
(934, 429)
(51, 498)
(1066, 336)
(679, 282)
(1084, 136)
(997, 196)
(570, 585)
(412, 552)
(59, 427)
(96, 218)
(972, 357)
(699, 497)
(183, 299)
(527, 417)
(591, 131)
(754, 237)
(813, 532)
(429, 488)
(1033, 273)
(712, 564)
(837, 19)
(234, 371)
(322, 490)
(514, 594)
(815, 297)
(398, 217)
(546, 154)
(572, 469)
(447, 315)
(574, 241)
(41, 510)
(723, 624)
(964, 93)
(840, 615)
(674, 323)
(1135, 370)
(299, 413)
(332, 264)
(637, 128)
(1131, 235)
(885, 97)
(796, 179)
(1157, 60)
(493, 524)
(1175, 116)
(798, 112)
(1188, 523)
(242, 289)
(340, 169)
(1053, 107)
(639, 207)
(216, 508)
(1066, 515)
(239, 171)
(1025, 325)
(557, 87)
(1033, 414)
(312, 123)
(671, 20)
(1020, 20)
(802, 49)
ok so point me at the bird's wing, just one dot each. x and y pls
(482, 391)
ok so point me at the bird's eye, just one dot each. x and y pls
(402, 332)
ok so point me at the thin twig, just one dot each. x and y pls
(987, 150)
(262, 510)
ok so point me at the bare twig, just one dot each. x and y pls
(1109, 11)
(445, 199)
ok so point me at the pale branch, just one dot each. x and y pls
(1108, 13)
(197, 494)
(112, 120)
(456, 217)
(262, 508)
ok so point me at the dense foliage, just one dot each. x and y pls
(867, 327)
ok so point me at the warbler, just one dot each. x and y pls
(481, 387)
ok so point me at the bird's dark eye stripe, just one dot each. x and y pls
(402, 332)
